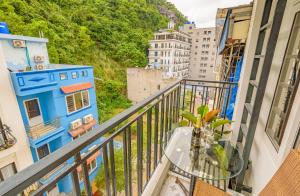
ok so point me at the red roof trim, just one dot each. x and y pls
(89, 160)
(76, 87)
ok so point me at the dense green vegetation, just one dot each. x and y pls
(108, 34)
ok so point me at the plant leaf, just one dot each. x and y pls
(189, 116)
(221, 156)
(202, 110)
(220, 122)
(211, 115)
(183, 123)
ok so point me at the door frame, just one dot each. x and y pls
(41, 113)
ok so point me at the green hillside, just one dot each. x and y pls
(108, 34)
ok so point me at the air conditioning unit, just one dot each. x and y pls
(40, 67)
(39, 59)
(76, 124)
(87, 118)
(19, 43)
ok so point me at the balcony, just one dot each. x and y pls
(144, 130)
(43, 131)
(7, 139)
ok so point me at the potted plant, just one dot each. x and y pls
(206, 125)
(207, 131)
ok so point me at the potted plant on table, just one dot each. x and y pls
(206, 126)
(207, 131)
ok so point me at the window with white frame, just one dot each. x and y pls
(77, 101)
(7, 171)
(91, 166)
(74, 75)
(286, 89)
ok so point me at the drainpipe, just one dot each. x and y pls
(2, 132)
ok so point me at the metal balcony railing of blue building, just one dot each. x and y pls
(142, 129)
(7, 140)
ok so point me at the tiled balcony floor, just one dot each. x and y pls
(170, 187)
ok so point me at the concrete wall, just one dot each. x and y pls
(9, 112)
(141, 83)
(264, 156)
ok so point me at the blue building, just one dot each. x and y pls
(57, 102)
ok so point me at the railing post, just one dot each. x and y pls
(183, 98)
(75, 178)
(149, 143)
(86, 180)
(112, 167)
(106, 170)
(162, 114)
(156, 113)
(125, 161)
(140, 155)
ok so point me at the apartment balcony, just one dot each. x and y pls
(7, 139)
(139, 166)
(48, 130)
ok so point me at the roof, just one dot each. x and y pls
(21, 37)
(76, 87)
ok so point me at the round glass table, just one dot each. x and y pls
(219, 161)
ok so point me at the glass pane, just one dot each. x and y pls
(78, 101)
(70, 103)
(43, 151)
(32, 108)
(85, 96)
(8, 171)
(289, 75)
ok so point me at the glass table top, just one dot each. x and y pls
(219, 161)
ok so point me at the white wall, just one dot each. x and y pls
(265, 158)
(11, 116)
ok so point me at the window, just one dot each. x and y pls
(156, 45)
(74, 75)
(7, 171)
(204, 39)
(91, 167)
(155, 53)
(287, 85)
(42, 151)
(63, 76)
(208, 32)
(84, 73)
(77, 101)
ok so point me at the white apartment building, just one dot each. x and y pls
(170, 50)
(15, 152)
(203, 51)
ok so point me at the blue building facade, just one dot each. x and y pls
(57, 102)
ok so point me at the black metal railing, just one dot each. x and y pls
(142, 129)
(7, 139)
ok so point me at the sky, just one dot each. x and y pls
(203, 12)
